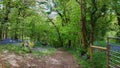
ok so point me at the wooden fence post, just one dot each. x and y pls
(91, 53)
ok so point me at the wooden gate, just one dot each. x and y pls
(112, 52)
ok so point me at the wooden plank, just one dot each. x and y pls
(115, 64)
(115, 60)
(112, 63)
(91, 53)
(114, 56)
(114, 38)
(112, 66)
(98, 47)
(114, 52)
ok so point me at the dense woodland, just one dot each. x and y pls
(72, 24)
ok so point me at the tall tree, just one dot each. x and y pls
(83, 22)
(5, 22)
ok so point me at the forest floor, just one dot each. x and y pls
(60, 59)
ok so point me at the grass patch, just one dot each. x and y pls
(20, 50)
(99, 59)
(45, 52)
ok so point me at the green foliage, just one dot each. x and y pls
(28, 19)
(14, 48)
(23, 19)
(47, 51)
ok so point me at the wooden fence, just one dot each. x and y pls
(112, 53)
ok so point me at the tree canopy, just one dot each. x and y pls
(61, 23)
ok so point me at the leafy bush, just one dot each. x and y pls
(31, 44)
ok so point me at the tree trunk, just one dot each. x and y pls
(6, 32)
(69, 43)
(0, 35)
(118, 18)
(1, 32)
(6, 18)
(92, 34)
(83, 24)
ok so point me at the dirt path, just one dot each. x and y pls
(61, 59)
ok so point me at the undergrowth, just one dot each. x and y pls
(99, 59)
(20, 50)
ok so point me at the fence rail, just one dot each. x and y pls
(95, 47)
